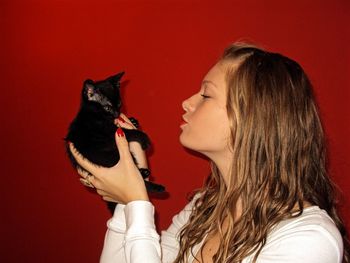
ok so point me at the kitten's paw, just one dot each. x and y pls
(134, 122)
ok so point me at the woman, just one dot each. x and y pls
(268, 198)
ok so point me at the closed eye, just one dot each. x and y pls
(205, 96)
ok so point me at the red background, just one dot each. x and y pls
(49, 47)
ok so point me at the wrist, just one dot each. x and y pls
(138, 196)
(139, 214)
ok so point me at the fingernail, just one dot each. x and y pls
(120, 132)
(121, 119)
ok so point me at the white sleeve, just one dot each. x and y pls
(113, 248)
(141, 237)
(131, 235)
(312, 245)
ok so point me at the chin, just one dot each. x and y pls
(182, 140)
(189, 144)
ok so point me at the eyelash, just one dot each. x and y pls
(205, 96)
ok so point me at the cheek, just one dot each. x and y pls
(207, 131)
(220, 130)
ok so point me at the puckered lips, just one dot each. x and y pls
(184, 122)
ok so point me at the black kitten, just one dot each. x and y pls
(92, 131)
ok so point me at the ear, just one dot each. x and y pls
(115, 80)
(88, 89)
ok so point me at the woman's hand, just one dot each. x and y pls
(135, 147)
(121, 183)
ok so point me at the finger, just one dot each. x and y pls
(124, 122)
(122, 145)
(101, 192)
(125, 125)
(139, 154)
(126, 119)
(83, 162)
(105, 196)
(109, 199)
(82, 172)
(88, 180)
(86, 183)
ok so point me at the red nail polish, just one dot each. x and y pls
(120, 132)
(121, 119)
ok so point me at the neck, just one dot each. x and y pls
(223, 163)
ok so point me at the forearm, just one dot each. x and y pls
(141, 238)
(131, 236)
(113, 248)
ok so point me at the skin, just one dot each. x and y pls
(205, 130)
(123, 182)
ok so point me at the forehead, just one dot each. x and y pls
(215, 76)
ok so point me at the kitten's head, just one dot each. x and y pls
(104, 92)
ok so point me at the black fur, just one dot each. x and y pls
(92, 131)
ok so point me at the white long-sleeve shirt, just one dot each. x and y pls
(131, 237)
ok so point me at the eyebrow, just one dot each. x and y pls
(209, 82)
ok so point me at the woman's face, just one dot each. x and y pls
(206, 126)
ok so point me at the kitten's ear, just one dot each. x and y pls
(88, 89)
(115, 80)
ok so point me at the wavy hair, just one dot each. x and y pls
(279, 158)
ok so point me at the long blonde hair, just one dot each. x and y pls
(279, 158)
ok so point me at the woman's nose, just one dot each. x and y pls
(187, 104)
(190, 103)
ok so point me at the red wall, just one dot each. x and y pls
(49, 47)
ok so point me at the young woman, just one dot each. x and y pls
(268, 198)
